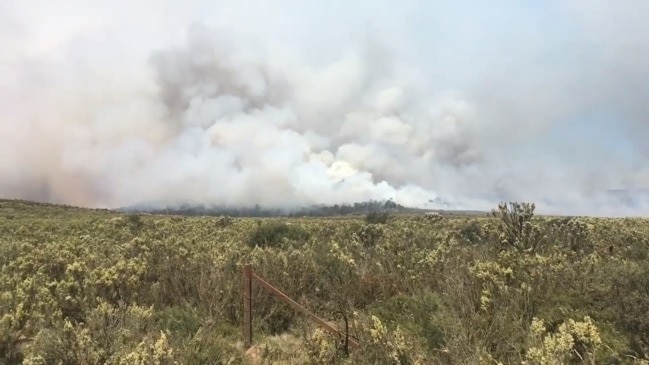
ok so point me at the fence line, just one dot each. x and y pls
(248, 277)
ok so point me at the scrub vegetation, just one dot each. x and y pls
(84, 286)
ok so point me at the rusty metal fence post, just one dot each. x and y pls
(248, 278)
(247, 305)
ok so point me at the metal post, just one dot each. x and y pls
(248, 277)
(285, 298)
(247, 306)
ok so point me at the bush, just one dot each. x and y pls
(471, 232)
(415, 313)
(224, 221)
(516, 227)
(134, 219)
(369, 235)
(273, 234)
(377, 218)
(432, 217)
(381, 345)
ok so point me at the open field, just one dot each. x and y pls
(82, 286)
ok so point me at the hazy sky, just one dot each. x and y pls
(289, 103)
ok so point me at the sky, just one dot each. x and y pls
(292, 103)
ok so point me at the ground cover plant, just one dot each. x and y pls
(97, 287)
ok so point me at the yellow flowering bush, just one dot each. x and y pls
(99, 287)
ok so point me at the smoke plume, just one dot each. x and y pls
(291, 105)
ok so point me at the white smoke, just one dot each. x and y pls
(219, 115)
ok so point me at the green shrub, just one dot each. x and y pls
(471, 232)
(417, 313)
(516, 228)
(212, 345)
(224, 221)
(274, 233)
(369, 235)
(377, 218)
(381, 345)
(182, 321)
(134, 220)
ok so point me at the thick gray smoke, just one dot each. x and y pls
(468, 107)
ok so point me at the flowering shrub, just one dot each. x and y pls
(95, 287)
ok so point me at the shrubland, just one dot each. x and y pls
(97, 287)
